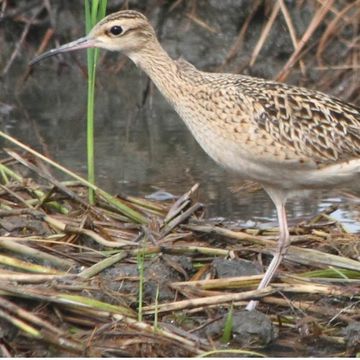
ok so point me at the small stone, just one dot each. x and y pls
(236, 267)
(250, 329)
(352, 336)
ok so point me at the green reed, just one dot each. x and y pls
(94, 11)
(228, 327)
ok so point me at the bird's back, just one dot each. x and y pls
(249, 124)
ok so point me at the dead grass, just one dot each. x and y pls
(64, 289)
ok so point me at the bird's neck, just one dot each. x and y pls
(161, 69)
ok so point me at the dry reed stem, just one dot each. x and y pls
(43, 45)
(238, 282)
(311, 307)
(296, 254)
(201, 22)
(59, 225)
(25, 250)
(210, 300)
(333, 29)
(102, 265)
(292, 31)
(19, 44)
(180, 219)
(142, 326)
(265, 33)
(84, 311)
(31, 278)
(48, 177)
(315, 22)
(27, 316)
(19, 264)
(237, 44)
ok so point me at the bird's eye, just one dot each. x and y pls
(116, 30)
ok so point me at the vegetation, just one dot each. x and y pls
(103, 275)
(95, 10)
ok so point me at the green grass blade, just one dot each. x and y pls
(228, 328)
(140, 265)
(93, 13)
(87, 16)
(126, 210)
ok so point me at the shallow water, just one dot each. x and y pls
(142, 149)
(141, 144)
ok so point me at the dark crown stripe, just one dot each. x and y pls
(125, 14)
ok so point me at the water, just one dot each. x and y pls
(141, 144)
(141, 149)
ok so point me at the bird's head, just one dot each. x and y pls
(125, 31)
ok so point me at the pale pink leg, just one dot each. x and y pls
(279, 200)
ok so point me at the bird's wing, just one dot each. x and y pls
(311, 123)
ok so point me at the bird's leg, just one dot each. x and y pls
(283, 243)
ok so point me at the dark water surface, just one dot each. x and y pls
(142, 149)
(141, 144)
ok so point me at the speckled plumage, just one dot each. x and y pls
(287, 138)
(258, 128)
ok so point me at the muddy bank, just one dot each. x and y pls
(137, 277)
(139, 140)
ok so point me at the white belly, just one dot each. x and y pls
(287, 175)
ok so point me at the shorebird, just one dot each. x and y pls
(288, 139)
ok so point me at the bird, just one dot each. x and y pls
(289, 139)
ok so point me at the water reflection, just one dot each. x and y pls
(140, 149)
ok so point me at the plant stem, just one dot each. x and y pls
(93, 14)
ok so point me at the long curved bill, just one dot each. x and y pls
(82, 43)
